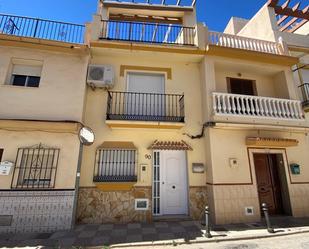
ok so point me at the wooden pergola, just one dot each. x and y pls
(158, 2)
(290, 18)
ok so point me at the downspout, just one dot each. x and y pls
(202, 134)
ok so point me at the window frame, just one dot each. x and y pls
(114, 174)
(26, 84)
(229, 86)
(27, 161)
(27, 68)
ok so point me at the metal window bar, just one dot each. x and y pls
(115, 165)
(305, 92)
(41, 29)
(148, 32)
(145, 107)
(156, 183)
(36, 168)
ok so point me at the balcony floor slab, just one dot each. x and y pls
(116, 124)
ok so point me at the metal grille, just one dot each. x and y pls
(156, 183)
(115, 165)
(42, 29)
(148, 32)
(305, 92)
(145, 107)
(36, 167)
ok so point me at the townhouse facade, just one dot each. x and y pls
(183, 117)
(43, 68)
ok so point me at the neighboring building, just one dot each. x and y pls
(43, 66)
(173, 79)
(264, 159)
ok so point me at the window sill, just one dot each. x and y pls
(114, 186)
(18, 87)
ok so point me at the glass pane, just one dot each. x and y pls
(33, 81)
(19, 80)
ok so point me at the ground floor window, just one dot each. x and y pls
(36, 167)
(115, 165)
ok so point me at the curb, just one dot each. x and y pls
(213, 240)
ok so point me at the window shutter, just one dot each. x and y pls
(27, 70)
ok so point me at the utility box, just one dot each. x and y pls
(5, 168)
(295, 169)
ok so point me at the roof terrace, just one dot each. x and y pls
(41, 29)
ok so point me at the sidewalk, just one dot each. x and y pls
(158, 233)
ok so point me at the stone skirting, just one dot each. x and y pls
(96, 206)
(198, 201)
(35, 211)
(228, 203)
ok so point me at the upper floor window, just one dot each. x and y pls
(35, 167)
(26, 73)
(241, 86)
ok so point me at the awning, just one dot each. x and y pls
(170, 145)
(117, 145)
(271, 142)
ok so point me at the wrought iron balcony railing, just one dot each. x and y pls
(41, 29)
(257, 107)
(148, 33)
(145, 107)
(305, 92)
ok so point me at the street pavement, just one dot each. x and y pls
(299, 241)
(160, 233)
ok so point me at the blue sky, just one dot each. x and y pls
(215, 13)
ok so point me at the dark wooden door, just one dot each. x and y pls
(242, 86)
(268, 182)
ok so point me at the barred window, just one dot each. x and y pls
(35, 168)
(115, 165)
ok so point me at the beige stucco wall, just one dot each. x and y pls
(185, 79)
(60, 95)
(262, 25)
(68, 144)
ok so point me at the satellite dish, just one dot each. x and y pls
(86, 136)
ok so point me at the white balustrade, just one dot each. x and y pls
(240, 42)
(255, 106)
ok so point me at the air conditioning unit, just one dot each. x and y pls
(101, 76)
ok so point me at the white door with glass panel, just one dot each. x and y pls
(146, 94)
(174, 187)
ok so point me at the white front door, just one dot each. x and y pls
(174, 187)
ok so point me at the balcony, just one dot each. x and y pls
(239, 42)
(305, 92)
(41, 29)
(145, 107)
(233, 105)
(151, 33)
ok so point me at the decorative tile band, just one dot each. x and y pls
(36, 211)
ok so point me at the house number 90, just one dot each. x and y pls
(148, 157)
